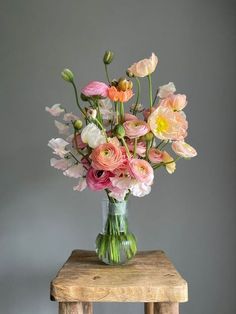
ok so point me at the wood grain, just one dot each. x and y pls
(75, 308)
(166, 308)
(148, 277)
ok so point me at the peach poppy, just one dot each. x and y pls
(183, 149)
(119, 95)
(144, 67)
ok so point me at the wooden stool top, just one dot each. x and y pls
(148, 277)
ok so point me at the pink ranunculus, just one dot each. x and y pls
(98, 180)
(135, 128)
(141, 170)
(77, 142)
(95, 88)
(107, 157)
(183, 149)
(144, 67)
(140, 149)
(155, 155)
(129, 117)
(123, 168)
(167, 124)
(175, 102)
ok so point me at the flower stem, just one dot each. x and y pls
(122, 112)
(135, 146)
(107, 75)
(138, 95)
(117, 112)
(154, 100)
(126, 147)
(150, 89)
(77, 99)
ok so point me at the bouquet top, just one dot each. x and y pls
(109, 148)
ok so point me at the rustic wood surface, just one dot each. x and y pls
(148, 277)
(75, 308)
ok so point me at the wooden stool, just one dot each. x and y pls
(149, 278)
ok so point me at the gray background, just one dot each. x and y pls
(190, 215)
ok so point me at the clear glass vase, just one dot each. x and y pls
(115, 244)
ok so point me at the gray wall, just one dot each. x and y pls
(190, 215)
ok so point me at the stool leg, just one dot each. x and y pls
(166, 308)
(149, 308)
(75, 308)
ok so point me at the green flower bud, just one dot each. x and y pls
(119, 131)
(67, 75)
(108, 57)
(78, 124)
(149, 136)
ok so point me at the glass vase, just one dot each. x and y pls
(115, 244)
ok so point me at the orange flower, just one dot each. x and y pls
(123, 96)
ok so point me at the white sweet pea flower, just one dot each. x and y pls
(62, 128)
(61, 164)
(166, 90)
(122, 183)
(55, 110)
(70, 117)
(118, 194)
(58, 145)
(76, 171)
(106, 109)
(92, 136)
(137, 107)
(81, 185)
(140, 189)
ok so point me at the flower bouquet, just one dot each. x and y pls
(115, 150)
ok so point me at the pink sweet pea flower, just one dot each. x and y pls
(81, 185)
(98, 180)
(95, 88)
(62, 128)
(175, 102)
(55, 110)
(144, 67)
(61, 164)
(58, 145)
(141, 170)
(76, 171)
(107, 157)
(77, 142)
(167, 124)
(135, 128)
(118, 194)
(183, 149)
(70, 117)
(166, 90)
(155, 155)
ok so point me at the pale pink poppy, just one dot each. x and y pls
(107, 157)
(183, 149)
(175, 102)
(55, 110)
(95, 88)
(170, 163)
(144, 67)
(155, 155)
(166, 90)
(98, 180)
(167, 124)
(141, 170)
(135, 128)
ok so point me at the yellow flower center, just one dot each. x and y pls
(161, 125)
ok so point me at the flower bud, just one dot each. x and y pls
(129, 73)
(149, 136)
(67, 75)
(78, 124)
(108, 57)
(119, 131)
(124, 84)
